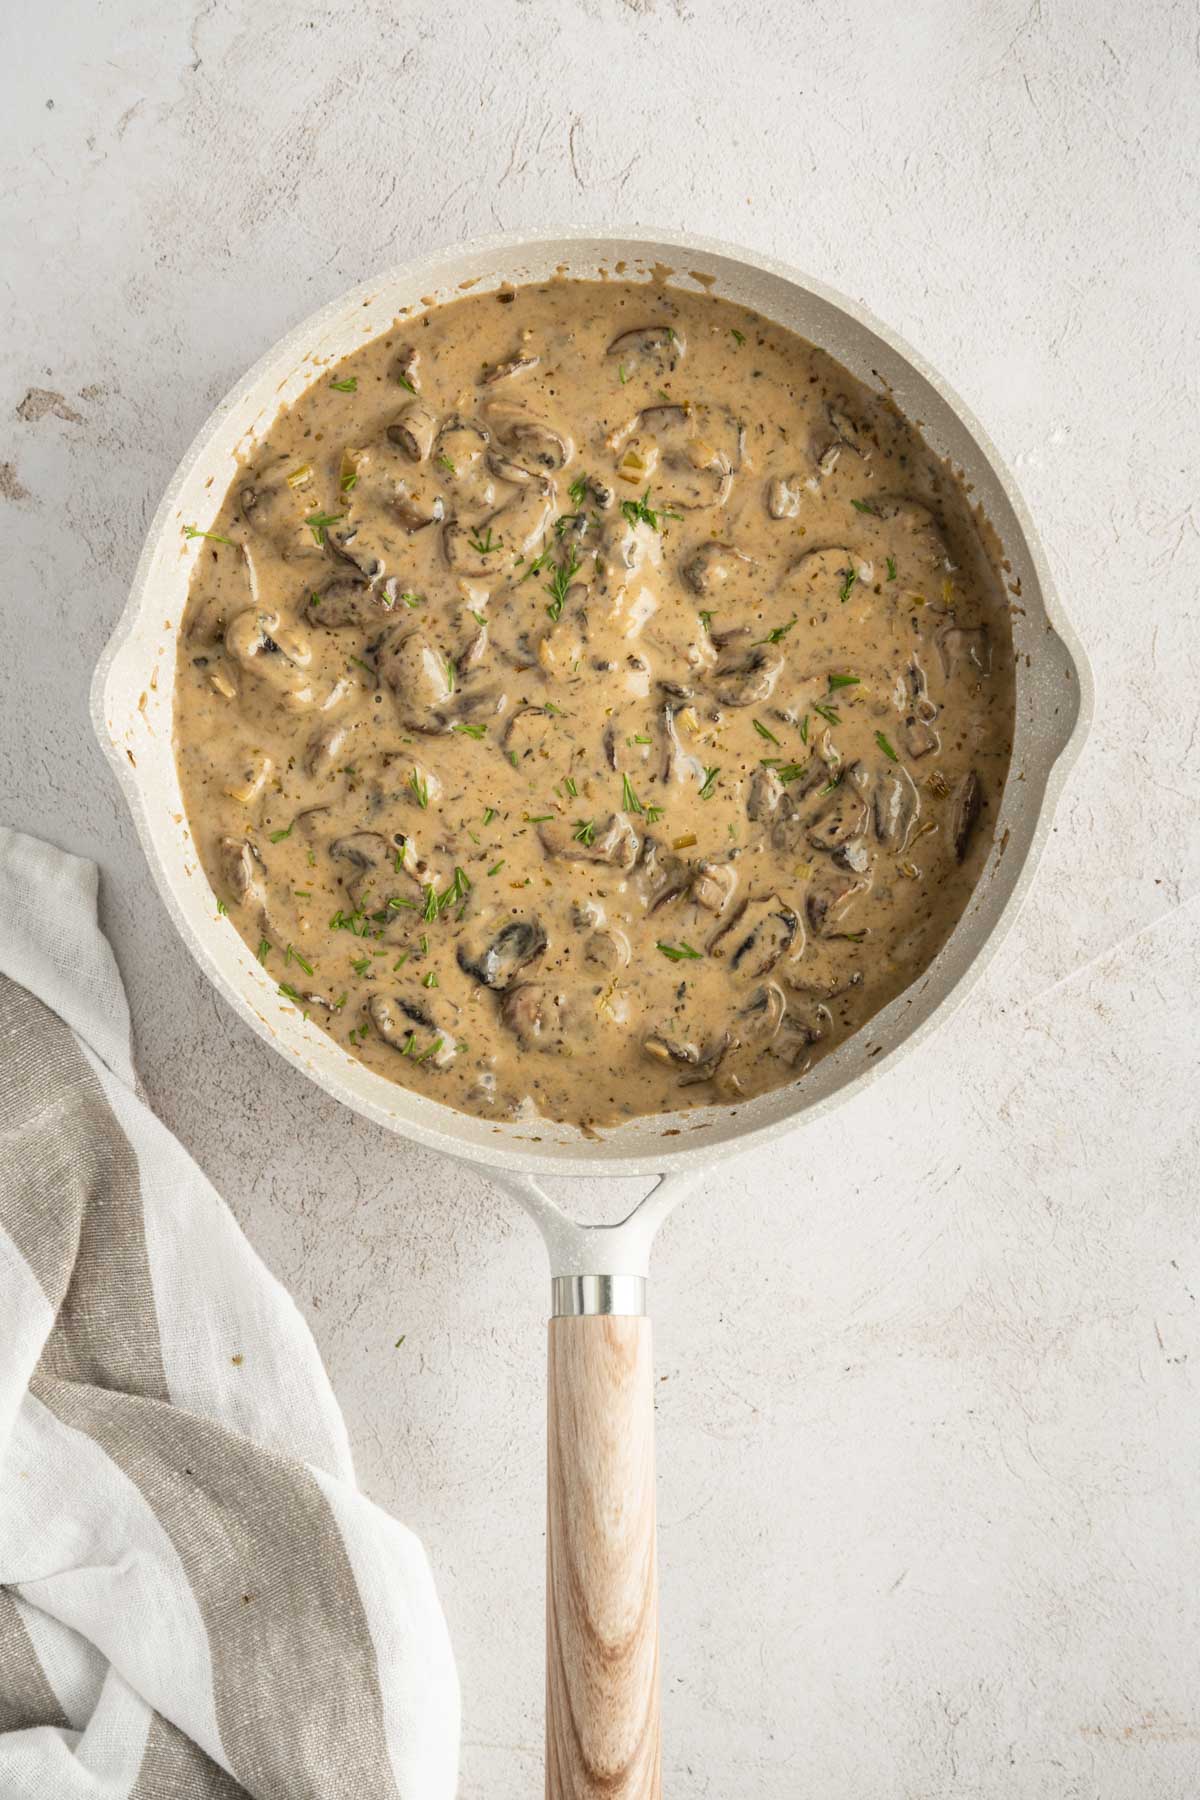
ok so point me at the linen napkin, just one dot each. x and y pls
(195, 1598)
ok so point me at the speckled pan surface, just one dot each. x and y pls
(132, 695)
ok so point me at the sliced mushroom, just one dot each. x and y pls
(406, 366)
(965, 813)
(762, 1015)
(841, 818)
(491, 373)
(660, 875)
(850, 432)
(895, 806)
(530, 443)
(801, 982)
(242, 870)
(398, 1020)
(614, 843)
(345, 600)
(277, 653)
(362, 849)
(607, 949)
(537, 1017)
(747, 677)
(693, 470)
(761, 931)
(822, 579)
(712, 565)
(965, 651)
(766, 791)
(498, 962)
(323, 750)
(714, 885)
(678, 764)
(830, 897)
(783, 497)
(654, 349)
(488, 550)
(527, 730)
(414, 430)
(700, 1063)
(420, 677)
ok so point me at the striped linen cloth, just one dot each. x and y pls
(195, 1599)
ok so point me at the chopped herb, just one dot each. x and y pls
(577, 492)
(891, 568)
(289, 992)
(445, 463)
(349, 480)
(710, 782)
(538, 818)
(539, 562)
(827, 789)
(763, 732)
(432, 1050)
(847, 587)
(471, 731)
(361, 964)
(635, 510)
(430, 980)
(264, 949)
(349, 386)
(585, 831)
(410, 599)
(555, 712)
(653, 814)
(804, 729)
(431, 903)
(484, 546)
(489, 813)
(864, 506)
(222, 909)
(365, 667)
(829, 713)
(885, 746)
(780, 631)
(354, 922)
(190, 531)
(301, 894)
(338, 1004)
(419, 787)
(679, 952)
(477, 616)
(792, 771)
(277, 837)
(570, 785)
(561, 580)
(740, 336)
(398, 859)
(318, 523)
(400, 961)
(406, 383)
(706, 620)
(450, 674)
(622, 374)
(496, 867)
(841, 681)
(629, 799)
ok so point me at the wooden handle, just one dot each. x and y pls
(602, 1706)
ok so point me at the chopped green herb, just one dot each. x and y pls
(432, 1050)
(291, 954)
(763, 732)
(710, 782)
(277, 837)
(354, 922)
(406, 383)
(804, 729)
(445, 463)
(653, 814)
(349, 386)
(706, 620)
(349, 480)
(539, 562)
(791, 771)
(222, 909)
(338, 1004)
(538, 818)
(622, 374)
(641, 510)
(471, 731)
(430, 980)
(841, 681)
(891, 568)
(410, 599)
(829, 713)
(400, 961)
(419, 787)
(319, 522)
(264, 949)
(847, 587)
(289, 992)
(361, 964)
(680, 952)
(365, 667)
(561, 580)
(496, 867)
(489, 813)
(864, 506)
(477, 616)
(585, 831)
(450, 675)
(577, 492)
(484, 545)
(190, 531)
(570, 785)
(431, 903)
(780, 631)
(629, 799)
(885, 746)
(740, 336)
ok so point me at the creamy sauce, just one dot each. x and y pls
(592, 703)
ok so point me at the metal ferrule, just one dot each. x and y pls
(579, 1296)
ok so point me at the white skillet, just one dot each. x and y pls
(602, 1729)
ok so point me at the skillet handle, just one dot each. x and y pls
(602, 1680)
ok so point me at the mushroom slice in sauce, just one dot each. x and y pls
(414, 430)
(660, 875)
(766, 792)
(406, 368)
(691, 471)
(242, 871)
(850, 432)
(614, 843)
(420, 677)
(842, 817)
(538, 1017)
(323, 750)
(700, 1063)
(747, 677)
(830, 898)
(411, 1027)
(762, 1015)
(519, 364)
(895, 806)
(607, 948)
(783, 497)
(498, 962)
(761, 931)
(362, 849)
(648, 349)
(277, 653)
(530, 443)
(966, 809)
(712, 565)
(964, 651)
(913, 532)
(345, 600)
(714, 885)
(487, 551)
(823, 578)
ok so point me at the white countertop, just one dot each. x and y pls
(928, 1380)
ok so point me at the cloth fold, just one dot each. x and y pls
(196, 1600)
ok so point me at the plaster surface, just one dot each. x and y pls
(927, 1380)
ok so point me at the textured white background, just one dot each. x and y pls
(927, 1407)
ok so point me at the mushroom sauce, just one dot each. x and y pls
(592, 702)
